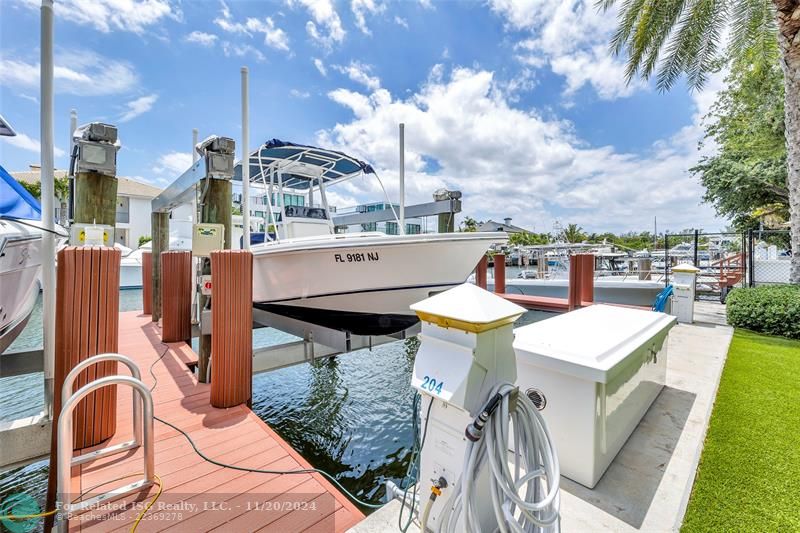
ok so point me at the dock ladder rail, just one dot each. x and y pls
(142, 434)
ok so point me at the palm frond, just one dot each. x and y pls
(694, 45)
(753, 31)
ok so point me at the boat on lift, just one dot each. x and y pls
(360, 283)
(20, 257)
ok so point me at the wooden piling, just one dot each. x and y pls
(447, 222)
(147, 283)
(87, 302)
(176, 296)
(500, 273)
(160, 232)
(586, 275)
(216, 209)
(231, 322)
(96, 199)
(480, 272)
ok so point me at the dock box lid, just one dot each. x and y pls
(590, 342)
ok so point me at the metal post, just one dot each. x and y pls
(246, 158)
(750, 262)
(160, 231)
(666, 259)
(48, 212)
(402, 179)
(195, 155)
(73, 125)
(696, 245)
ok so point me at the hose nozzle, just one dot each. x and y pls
(474, 431)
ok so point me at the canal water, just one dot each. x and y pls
(349, 415)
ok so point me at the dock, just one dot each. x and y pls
(198, 495)
(647, 486)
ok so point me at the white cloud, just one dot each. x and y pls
(400, 21)
(571, 37)
(136, 107)
(326, 27)
(242, 50)
(201, 38)
(514, 162)
(297, 93)
(29, 97)
(23, 142)
(320, 66)
(274, 37)
(79, 72)
(360, 73)
(362, 8)
(173, 163)
(426, 4)
(135, 16)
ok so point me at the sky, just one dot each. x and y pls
(518, 104)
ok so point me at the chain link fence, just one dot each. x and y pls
(769, 257)
(721, 258)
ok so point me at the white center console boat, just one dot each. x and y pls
(360, 283)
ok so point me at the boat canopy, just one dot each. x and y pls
(15, 200)
(300, 165)
(5, 128)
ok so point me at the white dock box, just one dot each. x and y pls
(594, 373)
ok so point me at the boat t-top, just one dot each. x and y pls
(361, 283)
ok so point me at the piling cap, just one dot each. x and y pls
(468, 308)
(686, 268)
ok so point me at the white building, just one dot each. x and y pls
(133, 205)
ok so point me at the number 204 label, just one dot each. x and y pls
(431, 385)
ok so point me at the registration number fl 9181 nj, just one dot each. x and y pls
(358, 257)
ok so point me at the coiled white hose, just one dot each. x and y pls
(535, 470)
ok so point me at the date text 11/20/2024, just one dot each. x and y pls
(358, 257)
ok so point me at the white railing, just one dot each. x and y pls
(142, 434)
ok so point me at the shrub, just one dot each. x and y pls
(769, 309)
(144, 239)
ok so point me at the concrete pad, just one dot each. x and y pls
(648, 484)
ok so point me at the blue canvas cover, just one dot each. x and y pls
(15, 200)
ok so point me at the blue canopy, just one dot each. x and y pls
(15, 200)
(300, 163)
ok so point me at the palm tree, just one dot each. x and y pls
(675, 37)
(469, 224)
(574, 233)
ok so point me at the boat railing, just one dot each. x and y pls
(142, 434)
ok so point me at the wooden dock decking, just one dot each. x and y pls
(198, 495)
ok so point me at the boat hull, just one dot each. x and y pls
(611, 290)
(20, 267)
(362, 285)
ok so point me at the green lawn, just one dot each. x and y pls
(749, 473)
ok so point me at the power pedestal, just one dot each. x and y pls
(466, 349)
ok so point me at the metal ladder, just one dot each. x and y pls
(142, 434)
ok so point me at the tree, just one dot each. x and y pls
(469, 224)
(676, 37)
(524, 238)
(144, 239)
(61, 186)
(574, 233)
(746, 179)
(35, 188)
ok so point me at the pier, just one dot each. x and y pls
(196, 494)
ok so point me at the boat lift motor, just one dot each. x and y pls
(465, 370)
(95, 147)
